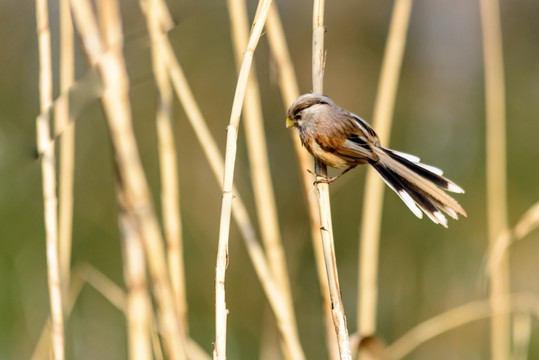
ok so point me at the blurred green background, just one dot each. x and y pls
(439, 116)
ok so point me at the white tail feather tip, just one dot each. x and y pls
(450, 212)
(410, 203)
(455, 188)
(408, 157)
(441, 218)
(432, 169)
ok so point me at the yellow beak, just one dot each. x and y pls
(289, 123)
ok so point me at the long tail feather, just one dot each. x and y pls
(420, 186)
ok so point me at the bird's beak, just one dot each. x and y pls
(289, 123)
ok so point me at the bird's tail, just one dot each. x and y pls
(420, 186)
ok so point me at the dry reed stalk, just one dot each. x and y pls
(496, 171)
(215, 159)
(239, 211)
(228, 180)
(133, 195)
(48, 169)
(67, 144)
(374, 187)
(170, 197)
(259, 162)
(138, 305)
(326, 227)
(42, 348)
(521, 335)
(459, 316)
(527, 223)
(290, 92)
(81, 274)
(86, 274)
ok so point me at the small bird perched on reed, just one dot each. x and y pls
(343, 140)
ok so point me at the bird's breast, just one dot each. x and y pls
(328, 158)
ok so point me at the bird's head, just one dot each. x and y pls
(301, 111)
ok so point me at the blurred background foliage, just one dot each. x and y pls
(439, 116)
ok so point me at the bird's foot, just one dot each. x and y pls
(321, 179)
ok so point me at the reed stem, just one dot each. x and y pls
(326, 227)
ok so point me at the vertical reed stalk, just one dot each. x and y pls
(290, 92)
(259, 162)
(374, 187)
(326, 227)
(239, 211)
(67, 144)
(228, 179)
(521, 335)
(138, 305)
(134, 194)
(496, 172)
(48, 169)
(170, 197)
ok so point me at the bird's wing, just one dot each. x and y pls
(365, 128)
(358, 151)
(360, 139)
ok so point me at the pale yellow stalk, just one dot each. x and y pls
(290, 92)
(496, 172)
(138, 305)
(230, 159)
(67, 143)
(522, 328)
(239, 211)
(259, 163)
(156, 20)
(459, 316)
(86, 274)
(134, 194)
(326, 227)
(527, 223)
(374, 187)
(48, 169)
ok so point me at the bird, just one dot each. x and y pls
(343, 140)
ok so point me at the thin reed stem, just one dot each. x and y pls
(228, 179)
(290, 92)
(239, 211)
(48, 169)
(522, 328)
(326, 227)
(170, 196)
(459, 316)
(496, 171)
(215, 160)
(259, 164)
(86, 274)
(374, 187)
(134, 194)
(67, 144)
(527, 223)
(138, 303)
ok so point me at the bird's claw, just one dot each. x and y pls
(322, 180)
